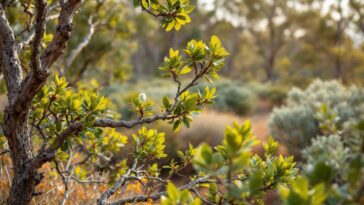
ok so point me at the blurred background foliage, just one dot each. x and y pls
(283, 42)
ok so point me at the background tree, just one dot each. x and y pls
(357, 7)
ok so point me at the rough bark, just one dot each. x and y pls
(16, 130)
(15, 123)
(22, 91)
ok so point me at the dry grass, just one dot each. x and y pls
(52, 188)
(208, 127)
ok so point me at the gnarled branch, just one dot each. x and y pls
(34, 81)
(27, 40)
(63, 33)
(40, 21)
(143, 198)
(11, 66)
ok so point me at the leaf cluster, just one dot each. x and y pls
(149, 144)
(176, 196)
(57, 106)
(174, 13)
(203, 59)
(241, 177)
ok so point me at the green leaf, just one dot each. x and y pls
(256, 182)
(185, 70)
(209, 79)
(64, 146)
(172, 191)
(146, 4)
(175, 5)
(166, 103)
(186, 122)
(177, 125)
(319, 195)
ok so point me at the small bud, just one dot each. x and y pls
(142, 97)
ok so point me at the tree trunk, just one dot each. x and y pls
(22, 189)
(270, 67)
(21, 91)
(338, 68)
(269, 71)
(340, 28)
(16, 131)
(233, 53)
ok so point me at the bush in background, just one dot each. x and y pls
(234, 97)
(274, 94)
(333, 170)
(330, 149)
(333, 164)
(298, 122)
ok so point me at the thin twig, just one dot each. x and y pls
(143, 198)
(197, 193)
(108, 193)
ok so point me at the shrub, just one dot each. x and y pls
(333, 164)
(329, 149)
(292, 126)
(233, 97)
(274, 94)
(333, 171)
(297, 122)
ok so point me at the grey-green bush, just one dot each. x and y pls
(338, 164)
(330, 150)
(295, 124)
